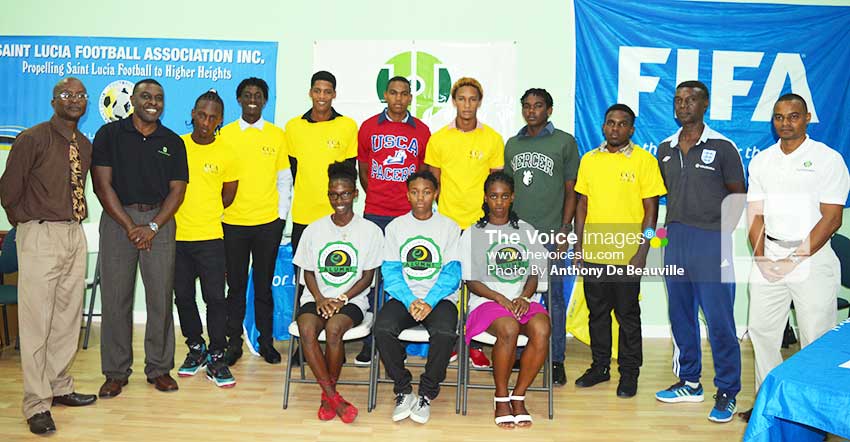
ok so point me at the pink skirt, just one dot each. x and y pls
(479, 320)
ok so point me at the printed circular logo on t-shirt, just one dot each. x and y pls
(507, 262)
(338, 263)
(421, 258)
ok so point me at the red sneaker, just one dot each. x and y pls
(478, 358)
(326, 413)
(347, 412)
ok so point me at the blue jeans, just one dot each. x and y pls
(558, 309)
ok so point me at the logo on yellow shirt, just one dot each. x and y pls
(627, 176)
(268, 150)
(476, 155)
(334, 144)
(212, 169)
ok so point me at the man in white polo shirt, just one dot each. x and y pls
(797, 192)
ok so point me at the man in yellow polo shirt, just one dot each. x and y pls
(461, 155)
(253, 224)
(316, 139)
(213, 176)
(619, 184)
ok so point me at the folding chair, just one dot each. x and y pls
(417, 335)
(93, 243)
(522, 341)
(358, 332)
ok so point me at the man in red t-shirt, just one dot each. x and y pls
(390, 148)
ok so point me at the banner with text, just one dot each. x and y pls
(362, 69)
(748, 54)
(31, 65)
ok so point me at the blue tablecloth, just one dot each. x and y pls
(808, 395)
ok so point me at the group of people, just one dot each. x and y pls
(212, 202)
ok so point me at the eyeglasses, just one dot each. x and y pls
(338, 196)
(67, 96)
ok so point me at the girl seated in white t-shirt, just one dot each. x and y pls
(501, 265)
(338, 255)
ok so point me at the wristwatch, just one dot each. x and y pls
(343, 298)
(154, 226)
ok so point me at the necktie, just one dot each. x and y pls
(78, 196)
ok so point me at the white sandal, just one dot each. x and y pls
(521, 418)
(506, 419)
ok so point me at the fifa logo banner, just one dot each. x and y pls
(109, 67)
(748, 54)
(363, 68)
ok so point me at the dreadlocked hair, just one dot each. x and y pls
(498, 177)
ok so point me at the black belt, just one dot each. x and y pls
(781, 243)
(143, 207)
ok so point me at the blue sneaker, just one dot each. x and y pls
(680, 392)
(218, 371)
(195, 360)
(724, 408)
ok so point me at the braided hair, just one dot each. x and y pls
(498, 177)
(210, 95)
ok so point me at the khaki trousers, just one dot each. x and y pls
(51, 284)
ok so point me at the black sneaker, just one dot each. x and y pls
(295, 360)
(218, 371)
(196, 359)
(232, 354)
(627, 387)
(593, 376)
(269, 354)
(559, 376)
(365, 355)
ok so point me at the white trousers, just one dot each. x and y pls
(812, 286)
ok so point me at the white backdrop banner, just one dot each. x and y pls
(362, 69)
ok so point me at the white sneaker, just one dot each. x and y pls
(421, 411)
(403, 405)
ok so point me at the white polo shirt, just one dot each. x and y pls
(793, 187)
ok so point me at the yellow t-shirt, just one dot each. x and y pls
(260, 154)
(210, 166)
(615, 185)
(465, 160)
(316, 146)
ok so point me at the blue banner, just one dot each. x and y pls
(748, 54)
(31, 65)
(283, 294)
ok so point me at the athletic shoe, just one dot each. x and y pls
(365, 355)
(403, 405)
(559, 376)
(421, 411)
(724, 408)
(218, 371)
(478, 358)
(680, 392)
(196, 359)
(233, 353)
(627, 387)
(593, 376)
(452, 358)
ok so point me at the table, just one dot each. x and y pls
(807, 395)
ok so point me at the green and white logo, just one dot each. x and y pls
(430, 82)
(508, 262)
(421, 258)
(337, 263)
